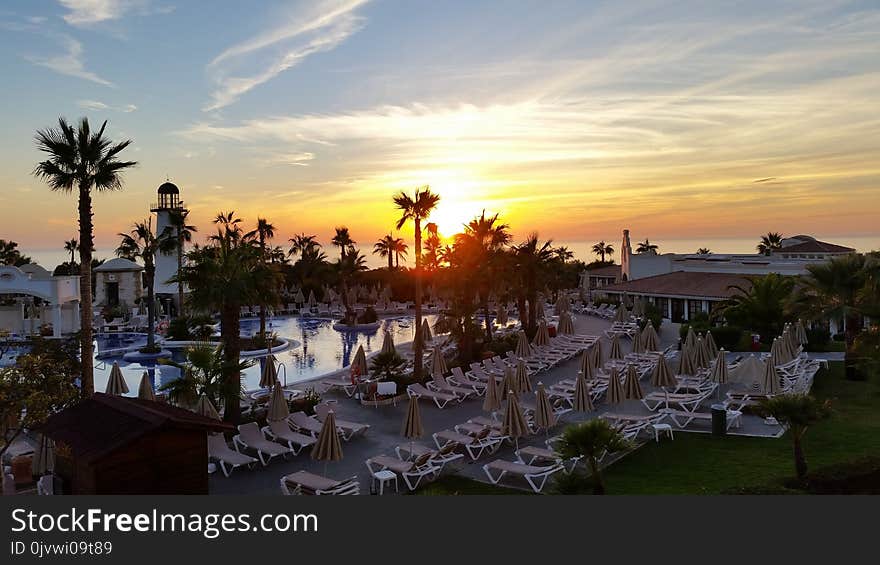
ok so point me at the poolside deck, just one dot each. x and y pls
(385, 428)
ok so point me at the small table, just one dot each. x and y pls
(660, 429)
(383, 477)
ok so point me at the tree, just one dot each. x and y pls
(71, 246)
(563, 254)
(431, 254)
(183, 234)
(770, 243)
(303, 245)
(647, 248)
(531, 260)
(264, 232)
(203, 372)
(349, 266)
(602, 249)
(799, 412)
(400, 250)
(141, 243)
(41, 383)
(760, 305)
(224, 274)
(385, 248)
(82, 160)
(591, 440)
(343, 240)
(416, 209)
(10, 255)
(704, 251)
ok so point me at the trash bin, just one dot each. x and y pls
(719, 420)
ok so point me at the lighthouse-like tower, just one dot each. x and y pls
(166, 264)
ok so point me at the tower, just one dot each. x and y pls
(625, 254)
(167, 203)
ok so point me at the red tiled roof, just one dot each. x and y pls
(815, 246)
(102, 423)
(605, 271)
(684, 284)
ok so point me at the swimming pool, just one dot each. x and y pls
(316, 349)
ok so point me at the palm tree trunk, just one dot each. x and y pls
(598, 482)
(229, 331)
(800, 461)
(150, 275)
(417, 344)
(85, 290)
(180, 311)
(521, 308)
(486, 314)
(390, 260)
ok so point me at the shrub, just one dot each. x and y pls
(818, 337)
(728, 337)
(653, 315)
(178, 330)
(572, 483)
(861, 476)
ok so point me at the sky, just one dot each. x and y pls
(681, 121)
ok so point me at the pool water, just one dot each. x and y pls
(316, 349)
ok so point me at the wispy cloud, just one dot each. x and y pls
(98, 106)
(322, 27)
(70, 62)
(86, 13)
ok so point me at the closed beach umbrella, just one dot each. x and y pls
(749, 372)
(438, 362)
(43, 461)
(206, 408)
(514, 422)
(116, 384)
(614, 394)
(145, 388)
(299, 298)
(791, 344)
(561, 305)
(650, 339)
(639, 308)
(586, 364)
(523, 384)
(801, 332)
(662, 376)
(691, 338)
(328, 447)
(598, 357)
(359, 364)
(701, 355)
(566, 326)
(720, 373)
(777, 356)
(492, 400)
(523, 349)
(509, 381)
(278, 410)
(615, 352)
(710, 346)
(582, 401)
(542, 338)
(545, 418)
(637, 346)
(269, 374)
(622, 314)
(388, 343)
(312, 302)
(412, 424)
(771, 378)
(686, 365)
(427, 336)
(632, 389)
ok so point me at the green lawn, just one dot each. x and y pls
(702, 464)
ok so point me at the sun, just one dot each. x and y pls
(450, 218)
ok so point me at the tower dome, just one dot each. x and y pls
(168, 188)
(169, 197)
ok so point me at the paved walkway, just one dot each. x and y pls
(385, 428)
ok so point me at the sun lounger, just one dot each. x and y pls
(412, 471)
(534, 475)
(528, 455)
(250, 437)
(303, 482)
(228, 459)
(687, 402)
(303, 423)
(460, 379)
(347, 429)
(441, 399)
(474, 445)
(683, 418)
(439, 457)
(281, 432)
(342, 383)
(439, 384)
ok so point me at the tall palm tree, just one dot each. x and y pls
(487, 237)
(400, 250)
(183, 234)
(385, 248)
(71, 246)
(770, 243)
(647, 248)
(799, 412)
(531, 258)
(432, 244)
(563, 254)
(265, 231)
(343, 240)
(82, 160)
(591, 440)
(417, 208)
(141, 243)
(303, 244)
(602, 249)
(349, 266)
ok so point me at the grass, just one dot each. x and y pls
(702, 464)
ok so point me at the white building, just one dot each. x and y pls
(167, 204)
(33, 301)
(119, 283)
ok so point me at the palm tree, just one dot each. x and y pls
(10, 255)
(759, 305)
(563, 254)
(400, 250)
(224, 274)
(770, 243)
(141, 243)
(704, 251)
(71, 246)
(835, 290)
(531, 259)
(416, 209)
(183, 234)
(385, 248)
(431, 255)
(602, 249)
(591, 440)
(646, 247)
(264, 232)
(303, 245)
(485, 237)
(202, 373)
(349, 266)
(82, 160)
(798, 411)
(343, 240)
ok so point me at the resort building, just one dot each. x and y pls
(682, 285)
(167, 204)
(33, 301)
(119, 283)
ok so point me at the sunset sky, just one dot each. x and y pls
(675, 119)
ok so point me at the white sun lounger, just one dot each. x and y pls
(250, 436)
(303, 423)
(534, 475)
(281, 432)
(227, 458)
(529, 454)
(474, 445)
(441, 399)
(439, 457)
(347, 430)
(438, 383)
(303, 482)
(412, 471)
